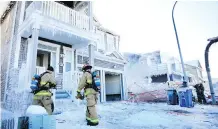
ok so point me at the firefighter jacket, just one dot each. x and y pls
(86, 83)
(47, 80)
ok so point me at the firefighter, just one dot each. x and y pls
(200, 93)
(90, 94)
(43, 95)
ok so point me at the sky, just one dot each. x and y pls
(146, 26)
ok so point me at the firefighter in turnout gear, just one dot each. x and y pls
(200, 93)
(43, 96)
(90, 94)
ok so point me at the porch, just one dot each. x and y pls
(56, 22)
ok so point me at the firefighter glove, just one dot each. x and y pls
(79, 96)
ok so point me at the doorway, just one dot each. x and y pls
(43, 61)
(113, 85)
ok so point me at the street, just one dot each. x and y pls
(123, 115)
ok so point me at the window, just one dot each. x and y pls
(69, 4)
(177, 77)
(53, 61)
(115, 43)
(67, 66)
(173, 66)
(39, 60)
(190, 79)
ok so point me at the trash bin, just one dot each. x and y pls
(37, 122)
(36, 118)
(172, 97)
(185, 98)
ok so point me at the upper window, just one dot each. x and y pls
(70, 4)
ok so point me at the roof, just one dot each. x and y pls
(195, 63)
(107, 31)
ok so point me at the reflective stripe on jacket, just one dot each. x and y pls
(84, 82)
(47, 77)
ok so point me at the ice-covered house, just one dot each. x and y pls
(62, 34)
(155, 68)
(194, 68)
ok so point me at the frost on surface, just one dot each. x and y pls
(35, 110)
(17, 98)
(18, 101)
(124, 115)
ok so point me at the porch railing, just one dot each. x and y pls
(59, 12)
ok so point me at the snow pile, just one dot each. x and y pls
(35, 110)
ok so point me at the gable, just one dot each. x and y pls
(199, 64)
(195, 63)
(116, 55)
(112, 55)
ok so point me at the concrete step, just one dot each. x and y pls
(62, 94)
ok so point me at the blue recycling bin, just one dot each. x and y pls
(172, 97)
(37, 122)
(185, 98)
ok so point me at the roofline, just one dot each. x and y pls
(107, 31)
(187, 62)
(8, 9)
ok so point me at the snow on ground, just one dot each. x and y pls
(123, 115)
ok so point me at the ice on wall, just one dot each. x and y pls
(17, 99)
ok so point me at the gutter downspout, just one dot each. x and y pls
(212, 41)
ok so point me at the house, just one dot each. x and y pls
(155, 67)
(62, 34)
(195, 69)
(207, 86)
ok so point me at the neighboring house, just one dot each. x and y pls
(60, 34)
(157, 66)
(207, 87)
(195, 69)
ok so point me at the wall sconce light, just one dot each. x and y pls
(62, 55)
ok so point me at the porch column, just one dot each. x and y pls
(35, 36)
(124, 85)
(90, 14)
(91, 55)
(75, 59)
(91, 47)
(103, 90)
(32, 55)
(18, 37)
(73, 78)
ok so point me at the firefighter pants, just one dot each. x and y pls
(44, 101)
(91, 114)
